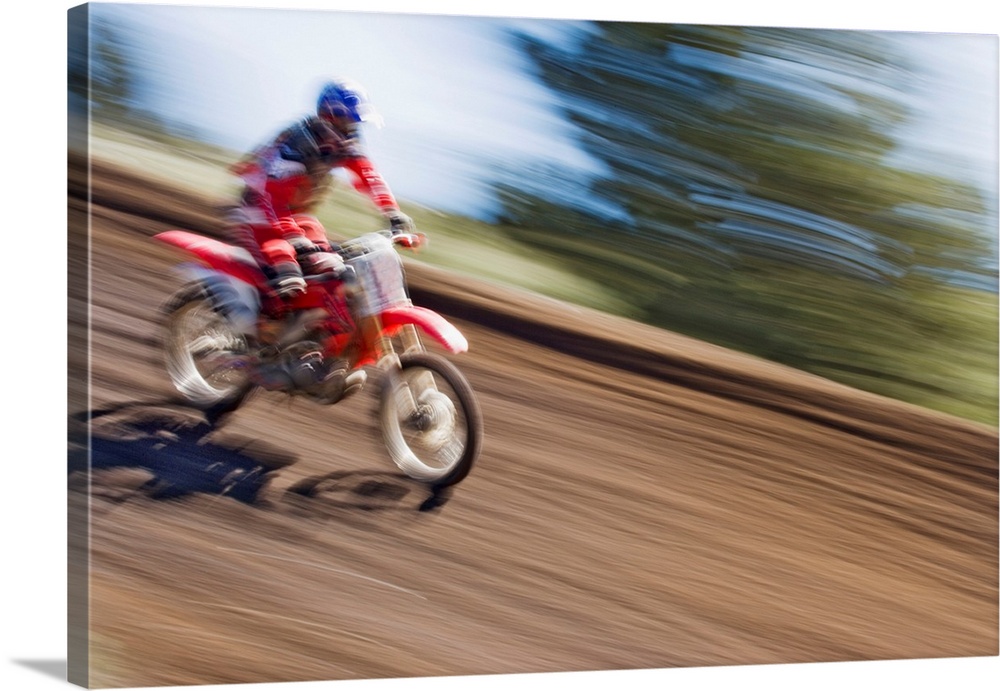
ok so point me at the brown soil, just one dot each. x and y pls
(642, 500)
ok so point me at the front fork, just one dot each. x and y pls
(409, 338)
(404, 392)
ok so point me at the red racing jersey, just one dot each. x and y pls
(289, 174)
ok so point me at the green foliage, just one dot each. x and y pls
(754, 208)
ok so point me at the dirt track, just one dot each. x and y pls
(642, 501)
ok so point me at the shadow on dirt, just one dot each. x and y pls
(173, 450)
(365, 491)
(177, 448)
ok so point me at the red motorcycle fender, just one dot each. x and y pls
(234, 261)
(436, 326)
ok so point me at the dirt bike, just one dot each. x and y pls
(228, 333)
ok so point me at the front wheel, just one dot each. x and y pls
(430, 419)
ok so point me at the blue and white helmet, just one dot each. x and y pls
(344, 99)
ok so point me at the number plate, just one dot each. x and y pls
(380, 275)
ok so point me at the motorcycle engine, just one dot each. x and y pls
(301, 369)
(304, 364)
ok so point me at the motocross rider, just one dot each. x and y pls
(285, 178)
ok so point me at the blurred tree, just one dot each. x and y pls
(113, 71)
(746, 200)
(112, 78)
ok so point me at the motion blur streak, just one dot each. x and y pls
(643, 500)
(666, 481)
(754, 199)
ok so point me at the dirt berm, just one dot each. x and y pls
(643, 500)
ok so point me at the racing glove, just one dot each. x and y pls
(400, 222)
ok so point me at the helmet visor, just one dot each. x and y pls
(365, 112)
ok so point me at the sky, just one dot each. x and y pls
(33, 637)
(957, 104)
(457, 100)
(454, 97)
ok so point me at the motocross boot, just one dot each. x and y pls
(288, 281)
(354, 382)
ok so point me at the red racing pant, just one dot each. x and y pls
(268, 242)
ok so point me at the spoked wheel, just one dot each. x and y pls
(431, 422)
(205, 357)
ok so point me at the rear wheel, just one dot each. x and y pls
(431, 422)
(206, 358)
